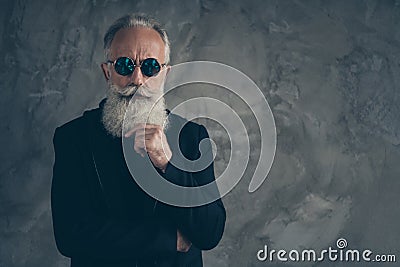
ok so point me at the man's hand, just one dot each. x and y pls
(182, 243)
(150, 139)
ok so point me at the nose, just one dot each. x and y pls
(137, 77)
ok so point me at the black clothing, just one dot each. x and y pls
(101, 217)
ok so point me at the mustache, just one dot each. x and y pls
(131, 90)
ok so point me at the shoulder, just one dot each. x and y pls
(75, 127)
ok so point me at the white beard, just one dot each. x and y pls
(141, 110)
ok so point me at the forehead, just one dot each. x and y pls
(138, 43)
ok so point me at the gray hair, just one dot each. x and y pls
(135, 20)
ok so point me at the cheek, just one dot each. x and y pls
(121, 81)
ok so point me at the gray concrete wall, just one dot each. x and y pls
(329, 70)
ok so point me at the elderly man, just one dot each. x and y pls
(101, 216)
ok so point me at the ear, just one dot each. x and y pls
(106, 71)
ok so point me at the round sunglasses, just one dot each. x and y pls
(125, 66)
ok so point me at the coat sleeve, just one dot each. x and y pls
(80, 231)
(203, 225)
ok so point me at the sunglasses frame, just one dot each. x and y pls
(134, 65)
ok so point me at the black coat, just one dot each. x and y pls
(101, 217)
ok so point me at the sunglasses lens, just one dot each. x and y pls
(124, 66)
(150, 67)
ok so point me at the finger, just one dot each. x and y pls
(134, 129)
(147, 126)
(139, 134)
(140, 131)
(142, 127)
(154, 131)
(139, 146)
(152, 135)
(150, 127)
(146, 142)
(129, 133)
(140, 150)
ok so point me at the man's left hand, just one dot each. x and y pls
(150, 139)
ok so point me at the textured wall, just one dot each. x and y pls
(329, 69)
